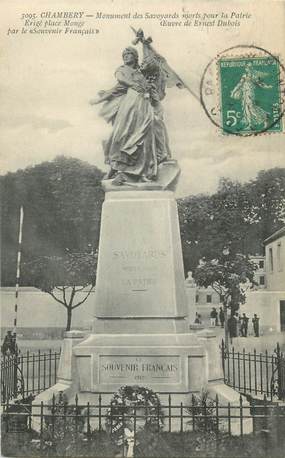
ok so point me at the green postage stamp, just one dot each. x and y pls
(250, 96)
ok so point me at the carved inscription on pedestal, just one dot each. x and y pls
(139, 369)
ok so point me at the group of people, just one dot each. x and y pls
(216, 317)
(9, 345)
(237, 324)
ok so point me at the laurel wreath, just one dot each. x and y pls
(133, 408)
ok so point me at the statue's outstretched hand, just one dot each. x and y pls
(97, 99)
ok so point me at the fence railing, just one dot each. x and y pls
(254, 372)
(29, 373)
(78, 421)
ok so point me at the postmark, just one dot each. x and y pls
(243, 91)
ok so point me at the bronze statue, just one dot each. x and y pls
(138, 143)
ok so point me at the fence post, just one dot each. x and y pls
(204, 409)
(223, 358)
(234, 372)
(15, 370)
(169, 413)
(241, 415)
(88, 426)
(217, 415)
(265, 429)
(229, 419)
(100, 412)
(42, 424)
(53, 417)
(76, 423)
(278, 362)
(193, 411)
(135, 426)
(123, 427)
(7, 416)
(181, 417)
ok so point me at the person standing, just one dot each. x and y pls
(232, 327)
(222, 317)
(216, 317)
(198, 319)
(237, 324)
(255, 323)
(213, 316)
(244, 325)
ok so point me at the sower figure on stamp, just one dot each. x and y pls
(253, 114)
(139, 141)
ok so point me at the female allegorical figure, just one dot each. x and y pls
(253, 114)
(138, 142)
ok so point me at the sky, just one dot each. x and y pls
(47, 82)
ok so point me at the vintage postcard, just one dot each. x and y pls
(143, 228)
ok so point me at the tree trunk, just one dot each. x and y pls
(69, 315)
(226, 327)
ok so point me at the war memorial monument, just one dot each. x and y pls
(140, 334)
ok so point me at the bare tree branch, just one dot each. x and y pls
(73, 291)
(56, 299)
(81, 302)
(80, 289)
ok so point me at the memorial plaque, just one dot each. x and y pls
(126, 369)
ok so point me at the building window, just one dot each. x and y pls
(261, 280)
(197, 298)
(209, 298)
(222, 298)
(271, 259)
(261, 264)
(279, 258)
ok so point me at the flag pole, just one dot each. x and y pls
(148, 41)
(18, 274)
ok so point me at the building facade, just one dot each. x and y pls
(275, 260)
(260, 273)
(275, 270)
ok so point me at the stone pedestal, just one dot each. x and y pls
(140, 330)
(140, 333)
(140, 278)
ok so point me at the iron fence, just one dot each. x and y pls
(28, 374)
(81, 423)
(255, 373)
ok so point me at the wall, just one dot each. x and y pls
(202, 294)
(40, 310)
(266, 304)
(37, 309)
(276, 276)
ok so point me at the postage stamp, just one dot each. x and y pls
(242, 91)
(250, 95)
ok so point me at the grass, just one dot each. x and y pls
(194, 444)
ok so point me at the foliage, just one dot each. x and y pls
(203, 408)
(229, 276)
(62, 277)
(134, 409)
(237, 216)
(63, 429)
(186, 444)
(62, 202)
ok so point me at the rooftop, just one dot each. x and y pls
(276, 235)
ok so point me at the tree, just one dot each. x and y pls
(62, 277)
(62, 201)
(238, 216)
(229, 276)
(267, 201)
